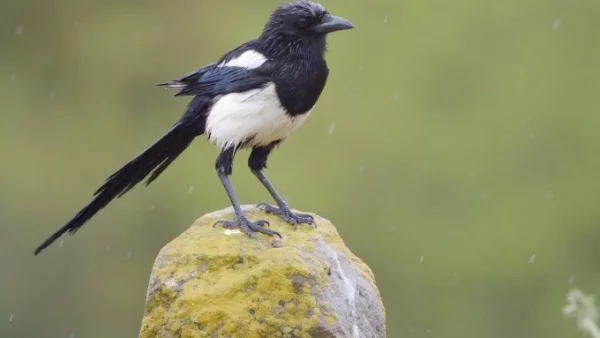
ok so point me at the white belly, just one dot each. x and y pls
(256, 115)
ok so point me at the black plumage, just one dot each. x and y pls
(254, 97)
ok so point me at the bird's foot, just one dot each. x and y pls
(247, 226)
(286, 214)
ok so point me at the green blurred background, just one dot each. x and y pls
(455, 148)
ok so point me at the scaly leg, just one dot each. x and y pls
(224, 168)
(257, 162)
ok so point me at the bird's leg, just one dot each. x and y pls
(283, 209)
(224, 166)
(257, 162)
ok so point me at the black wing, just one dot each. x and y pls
(213, 80)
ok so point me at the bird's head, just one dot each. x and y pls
(305, 20)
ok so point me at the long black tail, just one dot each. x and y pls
(155, 159)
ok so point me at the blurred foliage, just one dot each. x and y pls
(454, 147)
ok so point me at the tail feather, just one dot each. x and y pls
(153, 160)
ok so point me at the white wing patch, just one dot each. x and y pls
(249, 59)
(256, 114)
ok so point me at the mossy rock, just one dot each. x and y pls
(213, 282)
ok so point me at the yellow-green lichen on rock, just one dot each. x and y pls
(215, 282)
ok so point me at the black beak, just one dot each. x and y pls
(332, 23)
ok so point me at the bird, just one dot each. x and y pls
(253, 97)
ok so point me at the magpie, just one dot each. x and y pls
(253, 97)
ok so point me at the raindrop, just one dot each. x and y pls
(550, 195)
(129, 254)
(152, 207)
(360, 68)
(556, 24)
(532, 259)
(385, 18)
(19, 30)
(60, 244)
(331, 128)
(571, 279)
(532, 136)
(361, 169)
(11, 317)
(13, 78)
(421, 259)
(191, 189)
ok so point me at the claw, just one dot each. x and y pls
(287, 215)
(262, 223)
(247, 226)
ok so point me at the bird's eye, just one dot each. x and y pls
(302, 22)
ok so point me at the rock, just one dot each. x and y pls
(213, 282)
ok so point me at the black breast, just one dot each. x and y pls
(299, 83)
